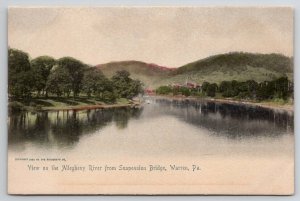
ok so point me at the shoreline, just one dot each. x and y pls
(268, 105)
(88, 107)
(27, 108)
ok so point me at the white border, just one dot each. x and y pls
(3, 88)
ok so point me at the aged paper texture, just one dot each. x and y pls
(150, 100)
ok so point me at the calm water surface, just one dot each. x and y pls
(164, 128)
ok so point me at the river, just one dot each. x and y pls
(239, 149)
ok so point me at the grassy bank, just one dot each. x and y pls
(83, 103)
(53, 103)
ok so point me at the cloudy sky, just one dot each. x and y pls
(166, 36)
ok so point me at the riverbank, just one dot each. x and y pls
(89, 107)
(264, 104)
(61, 104)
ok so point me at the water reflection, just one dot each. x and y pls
(65, 128)
(232, 121)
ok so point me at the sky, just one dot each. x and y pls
(168, 36)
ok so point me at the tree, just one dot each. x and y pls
(41, 68)
(75, 70)
(95, 83)
(163, 90)
(252, 88)
(242, 90)
(185, 91)
(122, 74)
(281, 87)
(266, 90)
(235, 88)
(135, 87)
(205, 86)
(124, 86)
(59, 82)
(92, 81)
(108, 97)
(20, 79)
(211, 90)
(225, 88)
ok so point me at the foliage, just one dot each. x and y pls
(75, 70)
(164, 90)
(96, 84)
(108, 97)
(20, 77)
(64, 77)
(280, 88)
(41, 68)
(212, 89)
(209, 89)
(93, 82)
(124, 86)
(15, 107)
(28, 78)
(205, 86)
(238, 61)
(59, 82)
(18, 61)
(185, 91)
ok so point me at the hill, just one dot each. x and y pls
(149, 74)
(230, 66)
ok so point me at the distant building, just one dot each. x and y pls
(149, 91)
(191, 85)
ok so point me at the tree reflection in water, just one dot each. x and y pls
(231, 120)
(64, 128)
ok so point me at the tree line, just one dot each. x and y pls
(280, 88)
(66, 77)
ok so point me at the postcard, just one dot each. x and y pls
(150, 100)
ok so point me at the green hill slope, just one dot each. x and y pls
(230, 66)
(149, 74)
(237, 61)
